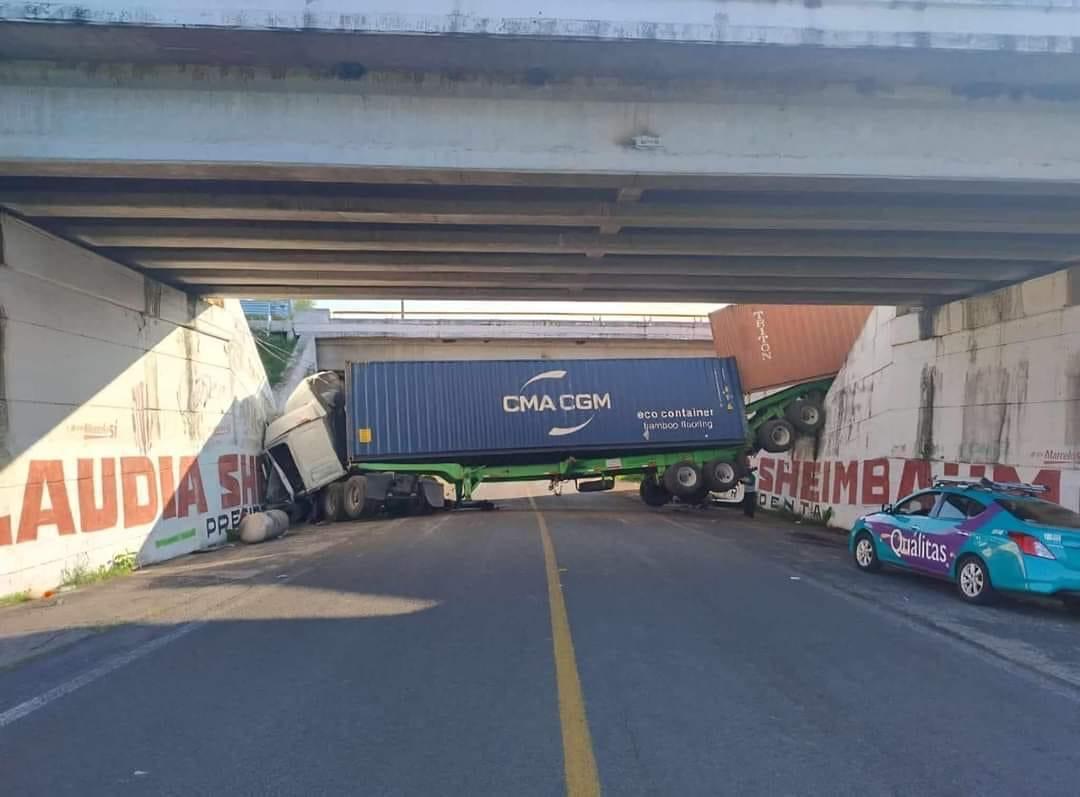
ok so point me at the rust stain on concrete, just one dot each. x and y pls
(5, 451)
(1072, 396)
(994, 399)
(994, 308)
(924, 436)
(985, 393)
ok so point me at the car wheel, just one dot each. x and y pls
(973, 580)
(721, 475)
(776, 436)
(331, 501)
(865, 553)
(355, 497)
(683, 479)
(806, 415)
(653, 493)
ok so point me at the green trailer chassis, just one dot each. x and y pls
(466, 478)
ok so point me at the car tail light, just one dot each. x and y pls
(1030, 546)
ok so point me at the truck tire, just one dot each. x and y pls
(652, 492)
(806, 414)
(684, 479)
(331, 501)
(776, 436)
(354, 497)
(722, 475)
(697, 498)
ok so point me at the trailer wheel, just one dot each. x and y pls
(806, 414)
(354, 497)
(331, 501)
(683, 479)
(652, 492)
(723, 475)
(776, 436)
(697, 498)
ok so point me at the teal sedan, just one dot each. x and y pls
(984, 536)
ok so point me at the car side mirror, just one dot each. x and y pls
(887, 509)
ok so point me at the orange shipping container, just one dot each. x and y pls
(781, 344)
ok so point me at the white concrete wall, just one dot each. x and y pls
(985, 386)
(130, 414)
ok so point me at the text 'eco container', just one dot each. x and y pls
(520, 410)
(781, 344)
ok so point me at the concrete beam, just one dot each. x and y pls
(544, 293)
(25, 172)
(188, 116)
(795, 213)
(587, 281)
(224, 261)
(786, 244)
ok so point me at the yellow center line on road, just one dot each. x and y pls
(579, 763)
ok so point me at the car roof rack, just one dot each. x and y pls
(1023, 488)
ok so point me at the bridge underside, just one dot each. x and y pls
(249, 231)
(770, 153)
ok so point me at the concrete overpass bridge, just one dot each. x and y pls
(158, 154)
(885, 153)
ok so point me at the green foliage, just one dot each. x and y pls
(80, 575)
(275, 349)
(14, 598)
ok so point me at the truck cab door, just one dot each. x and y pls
(301, 444)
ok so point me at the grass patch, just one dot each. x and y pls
(80, 575)
(15, 598)
(275, 349)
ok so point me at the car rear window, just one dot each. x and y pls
(1041, 512)
(959, 507)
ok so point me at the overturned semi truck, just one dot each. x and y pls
(389, 435)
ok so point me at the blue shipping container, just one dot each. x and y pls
(540, 410)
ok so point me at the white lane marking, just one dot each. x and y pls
(428, 532)
(28, 707)
(436, 526)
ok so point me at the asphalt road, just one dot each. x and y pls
(702, 654)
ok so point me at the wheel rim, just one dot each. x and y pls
(724, 473)
(687, 477)
(972, 580)
(864, 552)
(810, 415)
(781, 436)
